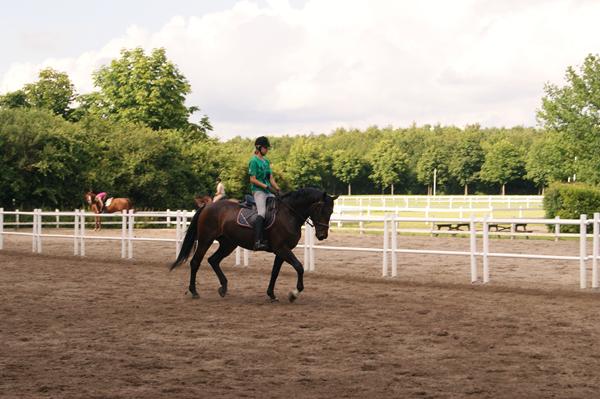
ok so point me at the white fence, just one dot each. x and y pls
(479, 228)
(443, 201)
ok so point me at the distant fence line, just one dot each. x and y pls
(452, 201)
(478, 227)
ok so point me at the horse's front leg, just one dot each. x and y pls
(288, 256)
(274, 274)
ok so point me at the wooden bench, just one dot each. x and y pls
(451, 226)
(518, 227)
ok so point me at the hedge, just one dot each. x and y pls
(569, 201)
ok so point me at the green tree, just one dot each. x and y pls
(503, 164)
(43, 160)
(547, 161)
(574, 111)
(53, 91)
(347, 166)
(434, 158)
(146, 89)
(388, 162)
(305, 166)
(466, 161)
(14, 99)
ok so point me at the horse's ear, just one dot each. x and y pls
(334, 197)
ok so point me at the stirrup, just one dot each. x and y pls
(260, 246)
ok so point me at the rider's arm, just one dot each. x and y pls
(255, 181)
(274, 183)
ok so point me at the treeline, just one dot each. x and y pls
(48, 161)
(133, 138)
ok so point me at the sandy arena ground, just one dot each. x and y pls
(102, 327)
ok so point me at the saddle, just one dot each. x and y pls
(247, 214)
(108, 202)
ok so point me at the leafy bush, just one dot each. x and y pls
(569, 201)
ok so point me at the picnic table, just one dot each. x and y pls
(513, 227)
(451, 226)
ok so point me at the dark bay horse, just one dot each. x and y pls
(116, 205)
(218, 221)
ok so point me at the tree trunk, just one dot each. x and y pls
(503, 189)
(392, 188)
(349, 189)
(466, 189)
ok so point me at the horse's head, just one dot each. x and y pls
(202, 200)
(320, 213)
(89, 197)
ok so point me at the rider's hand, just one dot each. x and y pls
(273, 190)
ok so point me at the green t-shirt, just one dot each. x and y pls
(261, 169)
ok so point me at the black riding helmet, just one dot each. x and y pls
(262, 141)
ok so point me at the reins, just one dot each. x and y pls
(300, 216)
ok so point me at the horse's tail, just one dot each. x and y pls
(188, 241)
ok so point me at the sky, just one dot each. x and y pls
(274, 67)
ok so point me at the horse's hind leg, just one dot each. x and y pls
(274, 274)
(225, 248)
(195, 264)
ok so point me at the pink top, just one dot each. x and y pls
(101, 195)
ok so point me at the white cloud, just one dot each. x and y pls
(278, 69)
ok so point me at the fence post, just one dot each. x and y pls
(520, 211)
(168, 218)
(82, 233)
(311, 253)
(582, 250)
(39, 231)
(595, 249)
(33, 240)
(57, 218)
(131, 222)
(361, 227)
(473, 246)
(1, 228)
(246, 260)
(237, 256)
(123, 233)
(394, 247)
(384, 271)
(75, 232)
(177, 231)
(17, 219)
(306, 233)
(486, 250)
(557, 229)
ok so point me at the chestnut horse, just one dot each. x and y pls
(218, 221)
(116, 205)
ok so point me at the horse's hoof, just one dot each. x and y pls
(274, 300)
(194, 294)
(293, 295)
(222, 291)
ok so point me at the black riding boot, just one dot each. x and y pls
(259, 244)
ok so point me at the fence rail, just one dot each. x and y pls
(478, 228)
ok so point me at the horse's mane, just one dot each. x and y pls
(306, 195)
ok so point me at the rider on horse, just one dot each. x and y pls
(263, 186)
(100, 197)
